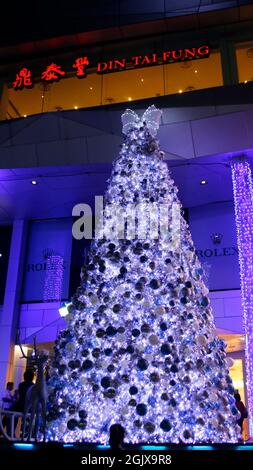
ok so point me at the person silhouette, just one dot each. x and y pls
(7, 402)
(242, 408)
(117, 434)
(21, 393)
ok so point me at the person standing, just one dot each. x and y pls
(7, 403)
(242, 408)
(117, 434)
(21, 393)
(22, 390)
(7, 396)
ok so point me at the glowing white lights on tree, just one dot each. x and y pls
(140, 347)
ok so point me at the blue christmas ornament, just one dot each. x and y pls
(152, 401)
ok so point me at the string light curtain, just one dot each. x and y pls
(54, 278)
(243, 201)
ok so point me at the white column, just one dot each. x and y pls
(10, 313)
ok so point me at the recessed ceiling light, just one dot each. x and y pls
(180, 91)
(195, 71)
(142, 79)
(91, 87)
(34, 182)
(203, 182)
(245, 81)
(129, 99)
(75, 107)
(25, 115)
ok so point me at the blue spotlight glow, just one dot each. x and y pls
(101, 447)
(244, 447)
(23, 446)
(154, 448)
(199, 448)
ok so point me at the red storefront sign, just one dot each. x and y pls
(54, 72)
(80, 64)
(23, 79)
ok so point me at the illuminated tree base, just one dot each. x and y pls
(140, 348)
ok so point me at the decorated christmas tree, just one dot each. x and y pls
(140, 347)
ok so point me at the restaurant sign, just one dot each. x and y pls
(54, 71)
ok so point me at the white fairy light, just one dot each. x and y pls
(140, 347)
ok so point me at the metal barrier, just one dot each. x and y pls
(12, 415)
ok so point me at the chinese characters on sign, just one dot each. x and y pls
(23, 79)
(54, 72)
(80, 65)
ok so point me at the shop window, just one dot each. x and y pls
(163, 80)
(244, 57)
(68, 93)
(133, 85)
(237, 376)
(235, 349)
(193, 74)
(24, 102)
(74, 93)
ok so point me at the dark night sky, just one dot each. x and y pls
(27, 20)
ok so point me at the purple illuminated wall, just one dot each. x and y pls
(214, 233)
(46, 275)
(243, 199)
